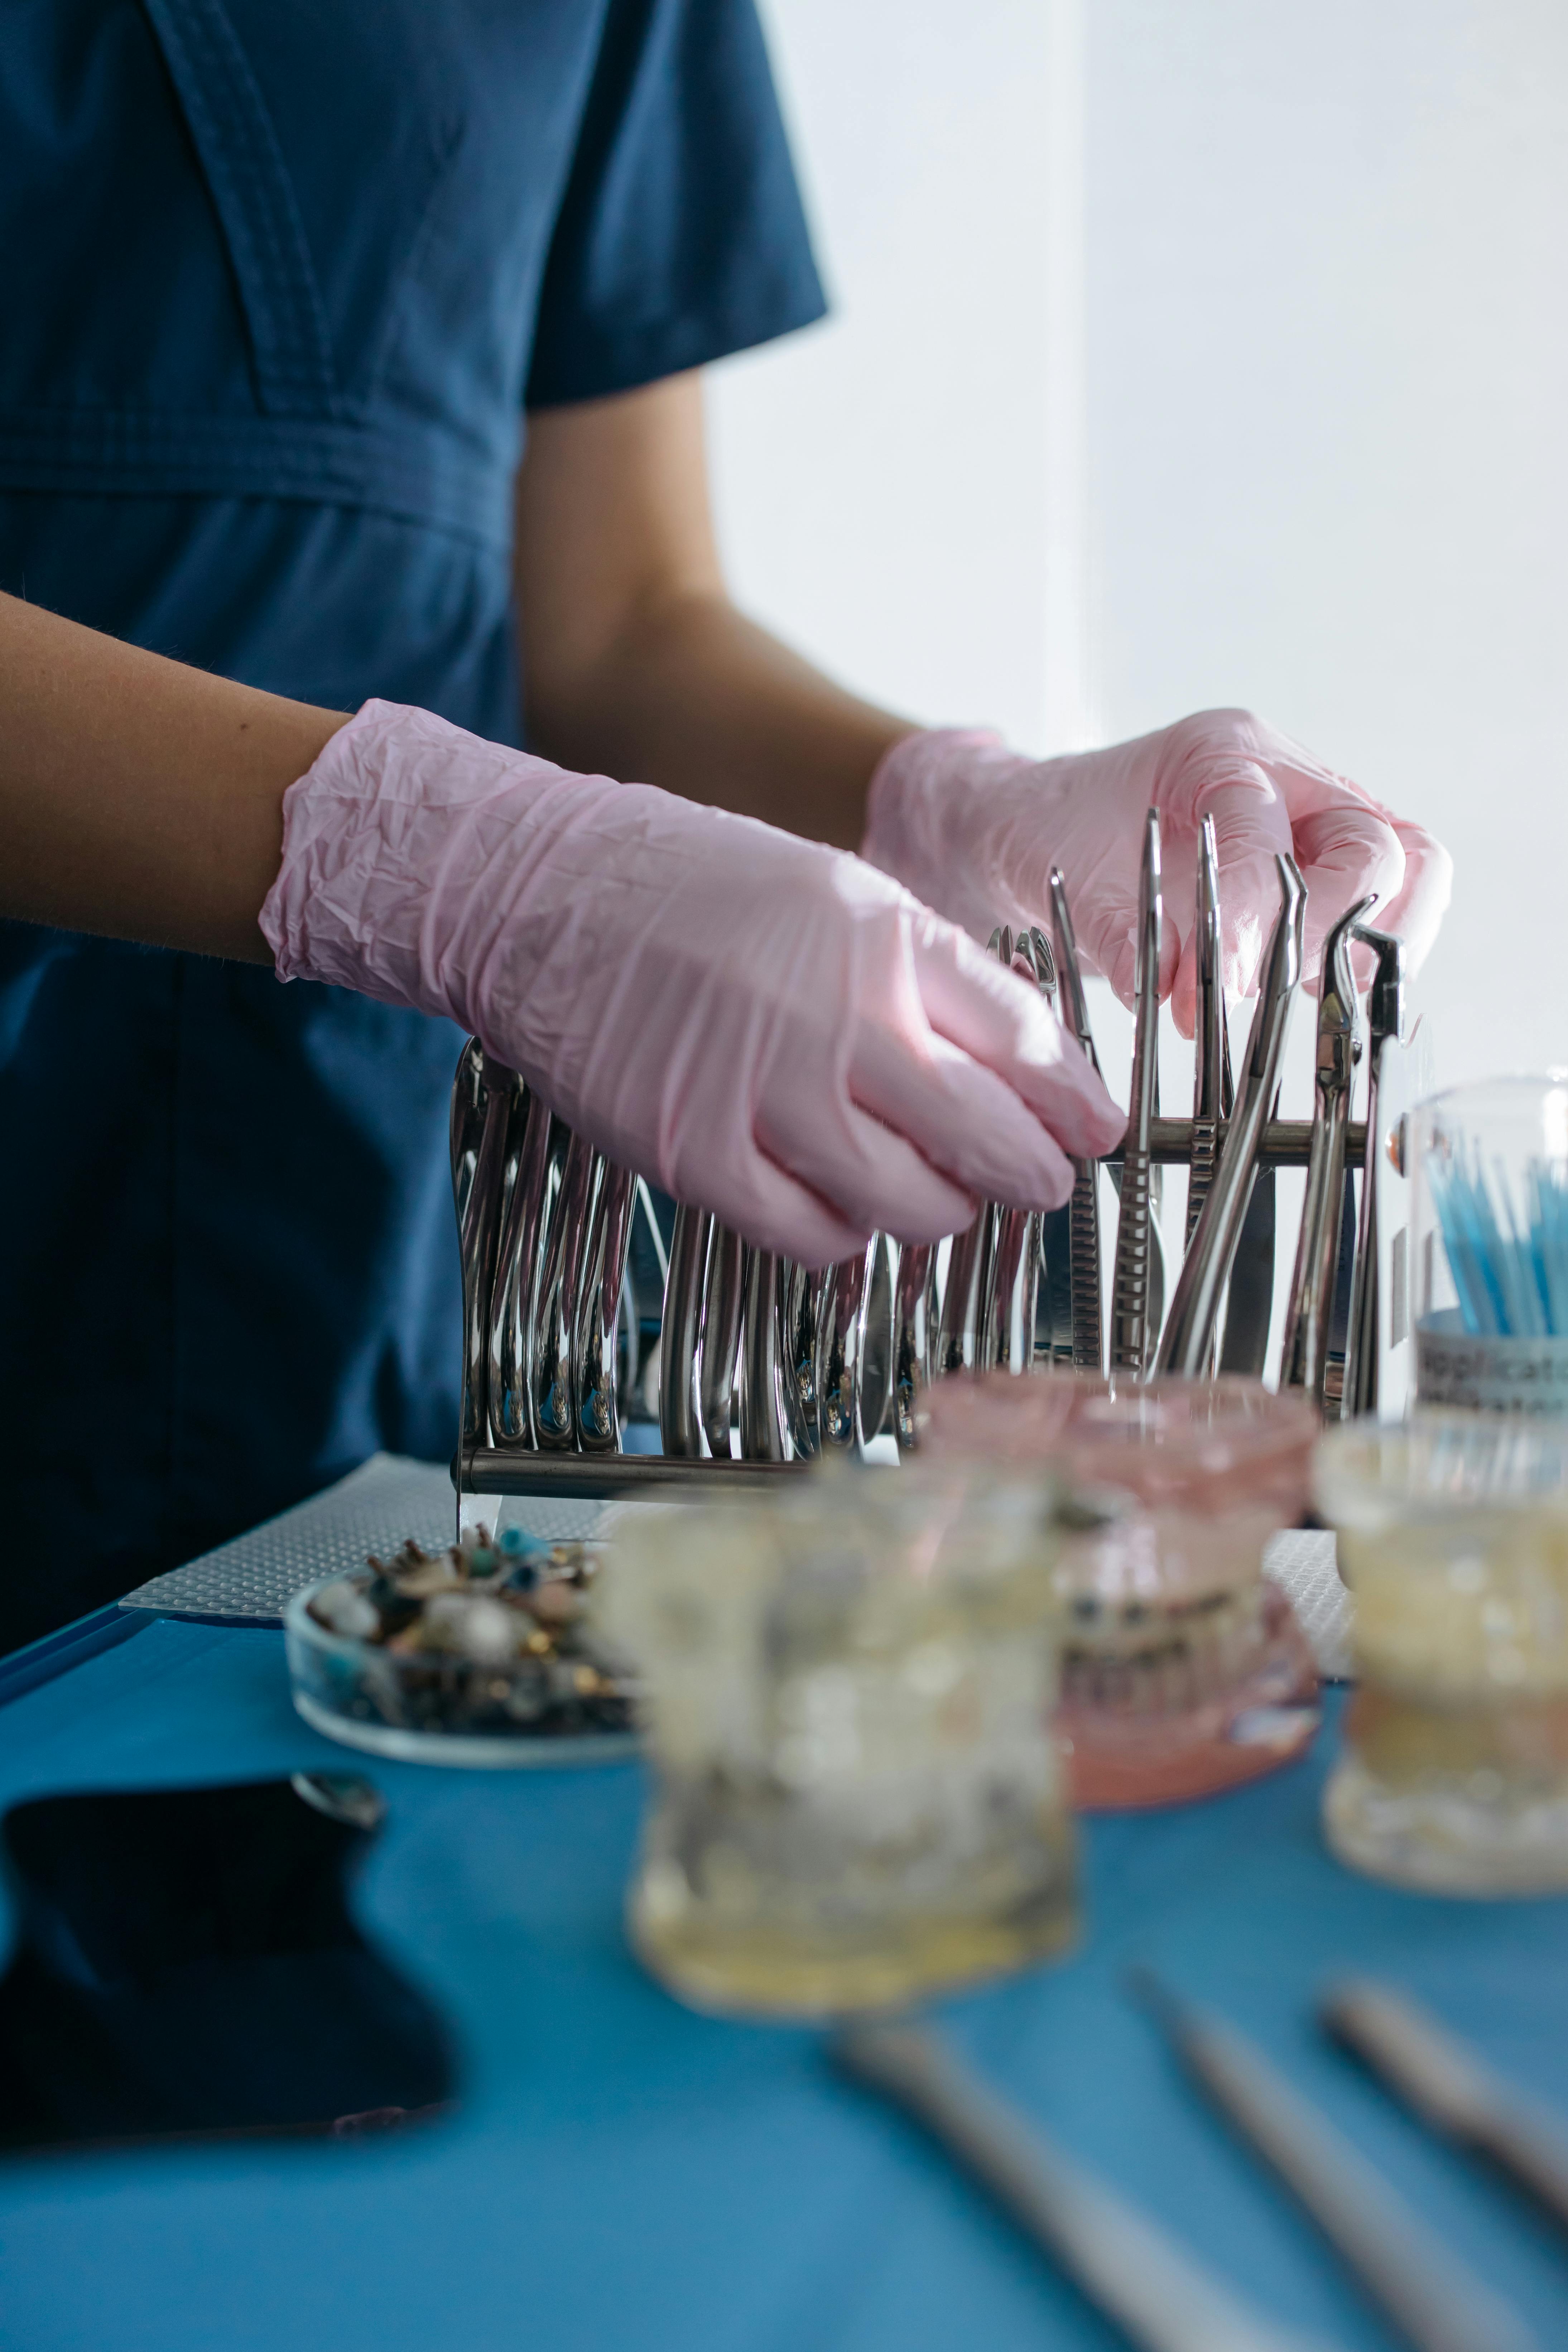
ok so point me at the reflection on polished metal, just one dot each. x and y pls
(840, 1349)
(552, 1364)
(483, 1104)
(1195, 1310)
(1249, 1300)
(719, 1355)
(880, 1316)
(1132, 1337)
(1304, 1362)
(1083, 1210)
(1385, 1025)
(914, 1333)
(601, 1477)
(604, 1279)
(959, 1347)
(1284, 1142)
(1212, 1087)
(679, 1424)
(1014, 1274)
(764, 1435)
(540, 1149)
(1053, 1334)
(797, 1346)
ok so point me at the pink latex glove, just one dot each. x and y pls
(974, 829)
(768, 1028)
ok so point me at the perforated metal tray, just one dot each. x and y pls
(372, 1509)
(252, 1579)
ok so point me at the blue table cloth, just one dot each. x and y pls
(622, 2172)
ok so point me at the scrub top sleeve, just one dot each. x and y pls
(680, 237)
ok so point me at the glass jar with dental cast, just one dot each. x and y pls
(1453, 1535)
(847, 1693)
(1489, 1164)
(1184, 1669)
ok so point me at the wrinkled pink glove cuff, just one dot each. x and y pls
(406, 869)
(925, 824)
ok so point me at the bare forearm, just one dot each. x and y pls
(636, 663)
(697, 699)
(139, 798)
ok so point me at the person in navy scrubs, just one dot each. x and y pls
(348, 352)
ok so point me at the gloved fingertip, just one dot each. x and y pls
(919, 1230)
(1183, 993)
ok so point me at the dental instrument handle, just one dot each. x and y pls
(1436, 2304)
(1195, 1310)
(1150, 2287)
(1303, 1362)
(1131, 1338)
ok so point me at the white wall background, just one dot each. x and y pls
(882, 478)
(1252, 319)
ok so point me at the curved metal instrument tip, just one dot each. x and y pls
(1386, 998)
(1045, 961)
(1339, 987)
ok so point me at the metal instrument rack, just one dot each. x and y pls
(759, 1364)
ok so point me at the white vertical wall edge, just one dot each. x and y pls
(1069, 714)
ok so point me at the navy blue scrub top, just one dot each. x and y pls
(278, 279)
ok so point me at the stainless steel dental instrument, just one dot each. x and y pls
(1451, 2090)
(914, 1319)
(483, 1103)
(553, 1357)
(1054, 1328)
(967, 1337)
(764, 1435)
(1385, 1025)
(1303, 1363)
(840, 1345)
(1250, 1294)
(1152, 2289)
(1213, 1093)
(1014, 1274)
(1083, 1210)
(798, 1351)
(1132, 1339)
(597, 1380)
(540, 1150)
(1189, 1332)
(1436, 2305)
(679, 1422)
(877, 1319)
(720, 1346)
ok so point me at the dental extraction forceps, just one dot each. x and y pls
(1083, 1210)
(1131, 1338)
(1014, 1274)
(1055, 1225)
(1195, 1310)
(1213, 1091)
(1385, 1025)
(1304, 1362)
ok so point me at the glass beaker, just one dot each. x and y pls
(1184, 1669)
(1453, 1537)
(1489, 1164)
(847, 1692)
